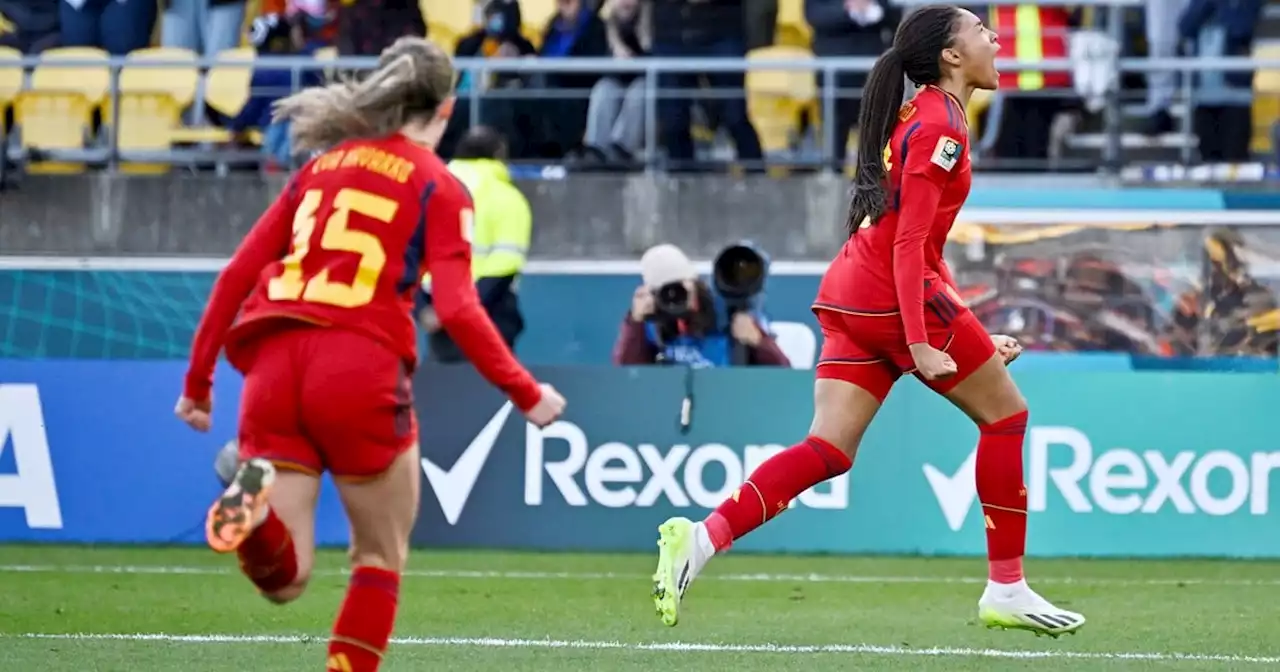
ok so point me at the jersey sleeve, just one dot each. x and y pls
(457, 305)
(268, 241)
(933, 151)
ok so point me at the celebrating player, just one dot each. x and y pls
(323, 288)
(888, 306)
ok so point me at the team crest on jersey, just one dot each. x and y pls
(947, 154)
(906, 111)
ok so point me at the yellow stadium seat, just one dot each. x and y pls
(1266, 99)
(151, 102)
(226, 89)
(10, 80)
(327, 56)
(227, 86)
(536, 14)
(56, 113)
(792, 28)
(775, 98)
(448, 20)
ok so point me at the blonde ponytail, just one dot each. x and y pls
(413, 77)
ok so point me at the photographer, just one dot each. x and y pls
(678, 318)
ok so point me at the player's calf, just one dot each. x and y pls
(241, 521)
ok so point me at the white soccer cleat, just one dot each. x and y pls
(683, 550)
(1015, 606)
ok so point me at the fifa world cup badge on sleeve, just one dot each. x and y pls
(947, 153)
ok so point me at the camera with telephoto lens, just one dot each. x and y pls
(672, 301)
(738, 275)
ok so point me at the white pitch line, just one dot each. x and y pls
(691, 647)
(622, 576)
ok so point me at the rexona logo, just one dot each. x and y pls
(1121, 481)
(615, 474)
(32, 488)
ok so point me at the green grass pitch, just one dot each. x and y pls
(110, 609)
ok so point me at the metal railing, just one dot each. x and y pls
(652, 70)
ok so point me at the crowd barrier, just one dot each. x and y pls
(1129, 464)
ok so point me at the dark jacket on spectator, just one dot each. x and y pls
(836, 34)
(586, 37)
(36, 24)
(633, 348)
(1237, 18)
(480, 44)
(683, 22)
(367, 27)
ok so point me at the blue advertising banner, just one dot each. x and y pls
(1123, 464)
(90, 452)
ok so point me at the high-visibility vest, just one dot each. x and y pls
(1029, 34)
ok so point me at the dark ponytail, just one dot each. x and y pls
(881, 98)
(916, 55)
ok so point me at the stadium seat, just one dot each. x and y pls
(151, 103)
(448, 20)
(226, 90)
(792, 28)
(10, 81)
(775, 98)
(536, 14)
(1266, 99)
(327, 56)
(56, 112)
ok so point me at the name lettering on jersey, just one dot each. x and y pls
(372, 159)
(947, 154)
(907, 111)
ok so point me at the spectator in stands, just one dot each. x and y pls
(275, 35)
(676, 318)
(32, 24)
(1223, 119)
(1030, 98)
(498, 37)
(575, 31)
(849, 28)
(319, 17)
(503, 227)
(203, 26)
(367, 27)
(1162, 42)
(704, 29)
(118, 26)
(615, 115)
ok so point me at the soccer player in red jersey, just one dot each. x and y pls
(314, 309)
(888, 306)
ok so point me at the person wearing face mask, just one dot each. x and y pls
(497, 37)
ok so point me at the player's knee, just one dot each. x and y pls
(391, 558)
(290, 592)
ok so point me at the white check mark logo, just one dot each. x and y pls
(453, 487)
(955, 493)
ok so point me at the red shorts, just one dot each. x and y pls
(870, 350)
(318, 399)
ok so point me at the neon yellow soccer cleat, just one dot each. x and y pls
(1016, 607)
(679, 561)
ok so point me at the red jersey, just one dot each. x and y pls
(345, 247)
(886, 266)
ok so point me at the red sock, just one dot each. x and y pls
(772, 486)
(1003, 495)
(364, 624)
(267, 556)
